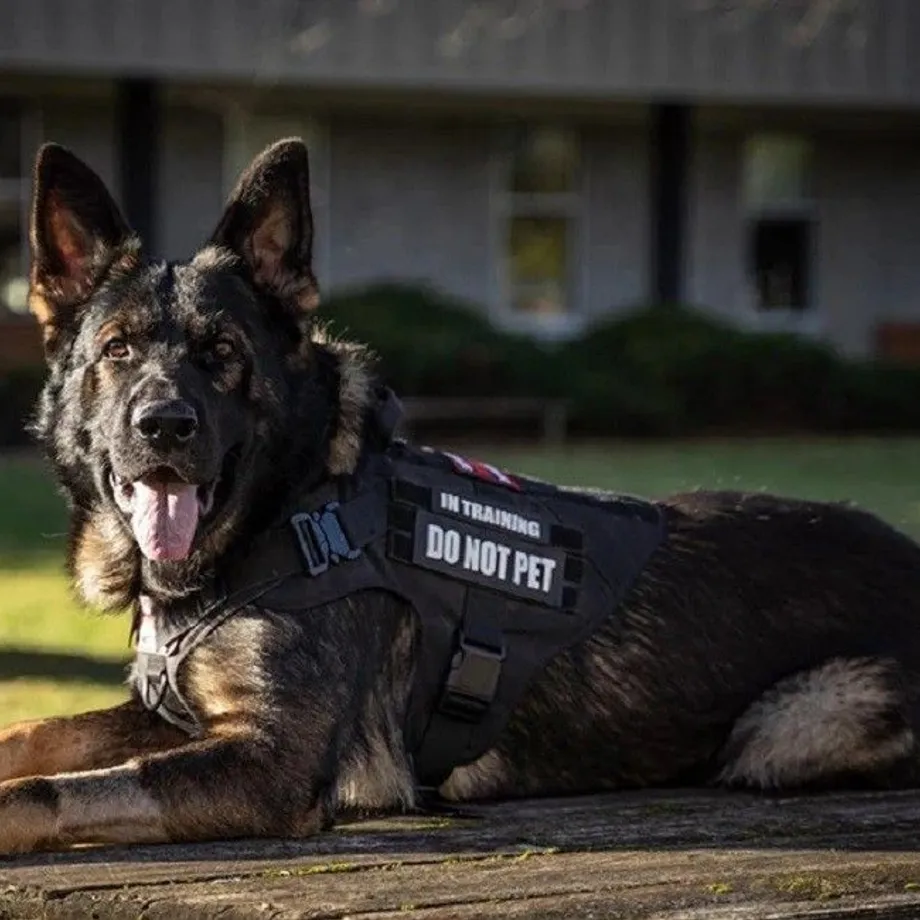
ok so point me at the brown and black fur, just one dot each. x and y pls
(769, 643)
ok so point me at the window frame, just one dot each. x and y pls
(806, 318)
(507, 204)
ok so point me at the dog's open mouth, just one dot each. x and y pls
(164, 511)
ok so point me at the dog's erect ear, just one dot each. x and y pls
(76, 232)
(268, 223)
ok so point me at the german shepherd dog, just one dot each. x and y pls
(768, 643)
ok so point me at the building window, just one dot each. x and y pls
(15, 186)
(779, 205)
(538, 212)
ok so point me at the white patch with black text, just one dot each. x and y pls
(473, 554)
(490, 514)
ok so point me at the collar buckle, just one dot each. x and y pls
(322, 539)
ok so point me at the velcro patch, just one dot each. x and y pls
(510, 520)
(493, 560)
(484, 471)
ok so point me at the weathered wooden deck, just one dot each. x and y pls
(669, 855)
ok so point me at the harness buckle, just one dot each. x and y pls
(321, 539)
(153, 680)
(473, 679)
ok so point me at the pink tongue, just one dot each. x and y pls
(164, 517)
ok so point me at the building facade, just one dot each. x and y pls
(549, 161)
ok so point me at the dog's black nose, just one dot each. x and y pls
(167, 423)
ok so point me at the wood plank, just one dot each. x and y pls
(673, 854)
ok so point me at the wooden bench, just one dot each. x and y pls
(676, 855)
(552, 415)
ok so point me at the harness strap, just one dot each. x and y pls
(476, 647)
(468, 691)
(309, 543)
(157, 663)
(486, 631)
(307, 547)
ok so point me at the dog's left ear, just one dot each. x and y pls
(76, 234)
(268, 223)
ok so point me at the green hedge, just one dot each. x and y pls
(663, 370)
(19, 389)
(690, 373)
(654, 371)
(428, 344)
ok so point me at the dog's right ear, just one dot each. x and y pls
(269, 225)
(76, 232)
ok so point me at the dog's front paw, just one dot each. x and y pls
(28, 815)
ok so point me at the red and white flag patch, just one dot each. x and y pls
(484, 471)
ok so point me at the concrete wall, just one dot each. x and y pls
(616, 250)
(852, 222)
(714, 266)
(897, 190)
(411, 202)
(190, 179)
(418, 202)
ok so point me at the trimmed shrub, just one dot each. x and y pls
(662, 370)
(19, 389)
(696, 373)
(657, 370)
(431, 345)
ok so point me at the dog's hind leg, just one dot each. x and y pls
(83, 742)
(850, 720)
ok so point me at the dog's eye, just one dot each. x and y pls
(223, 350)
(116, 349)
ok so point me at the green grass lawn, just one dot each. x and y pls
(56, 658)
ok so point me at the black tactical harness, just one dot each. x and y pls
(503, 572)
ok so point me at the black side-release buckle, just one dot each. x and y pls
(473, 679)
(153, 680)
(322, 539)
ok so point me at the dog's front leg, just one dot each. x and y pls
(216, 788)
(83, 742)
